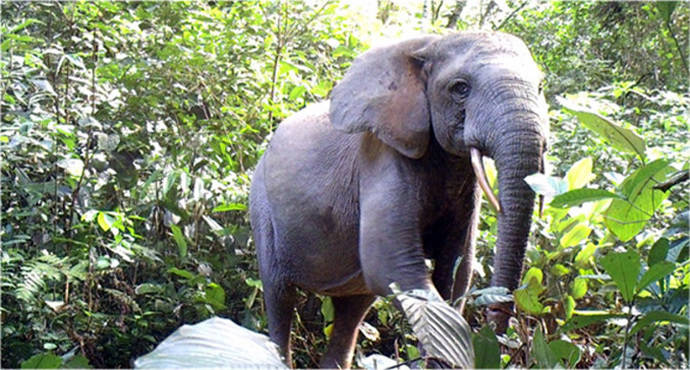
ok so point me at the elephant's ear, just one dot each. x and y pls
(384, 92)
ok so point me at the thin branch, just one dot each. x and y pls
(680, 50)
(511, 15)
(678, 178)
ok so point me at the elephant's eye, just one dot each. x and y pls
(541, 86)
(459, 89)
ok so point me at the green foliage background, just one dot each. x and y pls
(130, 130)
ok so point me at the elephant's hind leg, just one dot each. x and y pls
(349, 313)
(280, 304)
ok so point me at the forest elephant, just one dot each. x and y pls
(354, 193)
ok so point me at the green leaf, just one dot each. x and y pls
(644, 178)
(626, 217)
(77, 362)
(181, 273)
(580, 196)
(230, 207)
(527, 296)
(566, 351)
(658, 252)
(623, 269)
(105, 221)
(575, 235)
(585, 254)
(327, 309)
(580, 320)
(580, 174)
(43, 361)
(297, 92)
(569, 307)
(179, 240)
(658, 317)
(215, 295)
(579, 288)
(655, 273)
(487, 353)
(542, 353)
(620, 138)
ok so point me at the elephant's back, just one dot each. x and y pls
(311, 181)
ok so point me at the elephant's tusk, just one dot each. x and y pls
(480, 173)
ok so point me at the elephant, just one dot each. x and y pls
(360, 191)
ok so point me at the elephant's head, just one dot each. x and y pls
(477, 94)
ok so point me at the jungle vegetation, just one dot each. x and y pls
(130, 130)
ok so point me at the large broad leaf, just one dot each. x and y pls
(626, 217)
(620, 138)
(491, 295)
(580, 196)
(546, 185)
(624, 269)
(580, 173)
(216, 343)
(487, 353)
(582, 319)
(439, 327)
(542, 353)
(566, 351)
(43, 361)
(659, 317)
(575, 235)
(656, 272)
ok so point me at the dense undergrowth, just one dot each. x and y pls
(130, 130)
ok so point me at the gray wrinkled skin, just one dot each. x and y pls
(354, 193)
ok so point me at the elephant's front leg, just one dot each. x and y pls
(390, 243)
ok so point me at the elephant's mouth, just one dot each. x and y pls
(480, 173)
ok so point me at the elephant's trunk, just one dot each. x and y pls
(517, 152)
(517, 156)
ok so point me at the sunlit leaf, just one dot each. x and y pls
(579, 196)
(580, 173)
(626, 217)
(230, 207)
(620, 138)
(579, 288)
(575, 235)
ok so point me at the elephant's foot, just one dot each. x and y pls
(499, 315)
